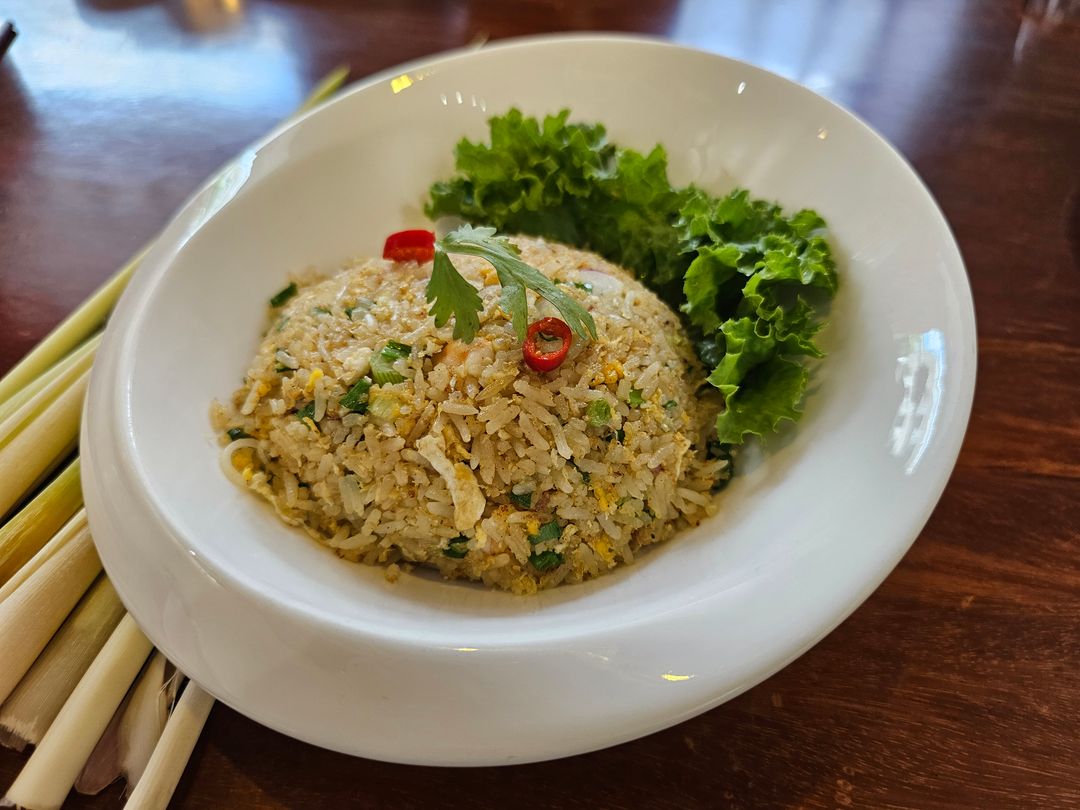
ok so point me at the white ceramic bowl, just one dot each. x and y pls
(437, 673)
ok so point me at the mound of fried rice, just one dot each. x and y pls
(475, 464)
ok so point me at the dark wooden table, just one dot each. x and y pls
(957, 684)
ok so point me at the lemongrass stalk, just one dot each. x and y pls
(23, 395)
(128, 741)
(31, 615)
(20, 397)
(50, 772)
(92, 313)
(65, 535)
(173, 750)
(37, 448)
(36, 405)
(72, 331)
(24, 535)
(324, 89)
(144, 721)
(27, 714)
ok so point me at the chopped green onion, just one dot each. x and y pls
(549, 531)
(635, 400)
(598, 413)
(671, 404)
(357, 397)
(281, 322)
(283, 295)
(237, 433)
(383, 373)
(457, 548)
(382, 363)
(522, 501)
(384, 408)
(320, 311)
(307, 412)
(620, 434)
(280, 369)
(546, 560)
(583, 285)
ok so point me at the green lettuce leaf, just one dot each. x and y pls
(748, 278)
(772, 394)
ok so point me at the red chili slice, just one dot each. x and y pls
(415, 245)
(546, 329)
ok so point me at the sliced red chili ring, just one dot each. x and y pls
(546, 329)
(415, 245)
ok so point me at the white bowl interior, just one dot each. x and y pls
(807, 532)
(365, 175)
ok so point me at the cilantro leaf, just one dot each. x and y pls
(451, 294)
(515, 276)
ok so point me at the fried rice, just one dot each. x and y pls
(473, 463)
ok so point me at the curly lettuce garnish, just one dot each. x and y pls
(748, 278)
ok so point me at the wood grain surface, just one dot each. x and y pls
(957, 684)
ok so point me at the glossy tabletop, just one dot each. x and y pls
(957, 684)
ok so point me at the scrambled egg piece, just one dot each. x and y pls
(605, 497)
(469, 501)
(611, 372)
(602, 546)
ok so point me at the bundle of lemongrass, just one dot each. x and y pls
(78, 681)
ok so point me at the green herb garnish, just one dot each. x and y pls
(522, 501)
(382, 363)
(549, 531)
(635, 400)
(583, 285)
(671, 404)
(280, 369)
(283, 295)
(356, 398)
(451, 294)
(546, 560)
(457, 548)
(307, 412)
(598, 413)
(237, 433)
